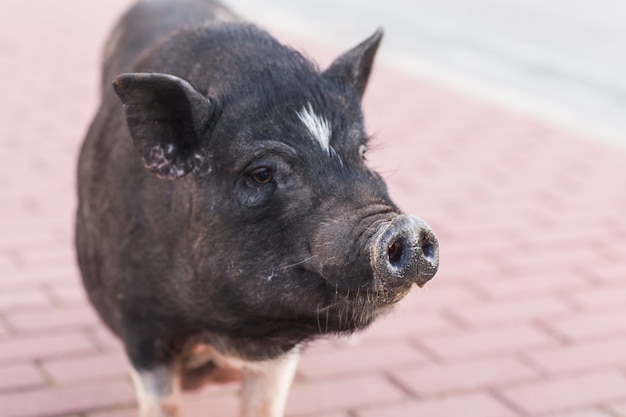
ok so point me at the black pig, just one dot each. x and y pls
(226, 215)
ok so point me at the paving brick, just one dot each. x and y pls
(53, 319)
(105, 339)
(23, 299)
(498, 312)
(118, 412)
(465, 270)
(590, 325)
(610, 272)
(61, 274)
(85, 368)
(330, 415)
(69, 294)
(618, 408)
(340, 394)
(47, 346)
(226, 405)
(469, 405)
(610, 297)
(434, 296)
(7, 262)
(463, 376)
(567, 393)
(19, 376)
(582, 356)
(359, 360)
(478, 255)
(486, 342)
(529, 285)
(406, 323)
(558, 246)
(37, 255)
(51, 402)
(582, 413)
(18, 238)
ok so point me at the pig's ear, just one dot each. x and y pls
(165, 115)
(354, 67)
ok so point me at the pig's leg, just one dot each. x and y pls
(266, 386)
(158, 391)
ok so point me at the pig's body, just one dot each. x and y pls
(225, 213)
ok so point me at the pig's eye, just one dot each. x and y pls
(262, 175)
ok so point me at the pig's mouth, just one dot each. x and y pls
(349, 316)
(349, 310)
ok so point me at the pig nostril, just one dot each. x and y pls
(395, 252)
(428, 249)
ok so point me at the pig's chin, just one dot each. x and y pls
(350, 311)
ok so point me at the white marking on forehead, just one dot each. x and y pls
(319, 128)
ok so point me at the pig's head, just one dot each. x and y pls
(288, 231)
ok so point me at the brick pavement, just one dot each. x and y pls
(527, 316)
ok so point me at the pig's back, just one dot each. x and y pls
(148, 22)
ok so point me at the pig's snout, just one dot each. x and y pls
(404, 251)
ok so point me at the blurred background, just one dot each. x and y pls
(502, 123)
(558, 60)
